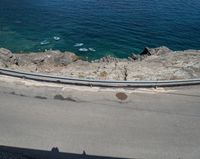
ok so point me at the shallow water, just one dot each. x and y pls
(109, 27)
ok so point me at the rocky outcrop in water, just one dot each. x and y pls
(152, 64)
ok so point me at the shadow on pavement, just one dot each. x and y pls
(23, 153)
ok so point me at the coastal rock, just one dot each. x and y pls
(163, 64)
(7, 57)
(134, 57)
(160, 51)
(64, 58)
(155, 51)
(145, 52)
(5, 54)
(108, 59)
(2, 64)
(181, 74)
(54, 58)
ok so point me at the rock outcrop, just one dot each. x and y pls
(152, 64)
(55, 58)
(155, 51)
(7, 58)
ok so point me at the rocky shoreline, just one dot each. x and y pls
(152, 64)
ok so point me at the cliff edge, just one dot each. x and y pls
(152, 64)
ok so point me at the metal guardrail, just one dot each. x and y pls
(101, 83)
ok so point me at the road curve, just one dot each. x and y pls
(151, 125)
(101, 83)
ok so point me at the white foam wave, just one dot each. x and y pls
(91, 49)
(45, 42)
(78, 44)
(83, 49)
(56, 38)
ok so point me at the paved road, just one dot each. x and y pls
(162, 125)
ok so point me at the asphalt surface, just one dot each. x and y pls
(161, 125)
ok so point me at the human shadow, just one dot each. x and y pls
(7, 152)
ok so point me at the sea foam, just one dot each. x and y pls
(91, 49)
(56, 38)
(45, 42)
(83, 49)
(78, 44)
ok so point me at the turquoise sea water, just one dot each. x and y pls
(100, 27)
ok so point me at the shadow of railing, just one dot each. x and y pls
(7, 152)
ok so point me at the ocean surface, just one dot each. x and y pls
(95, 28)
